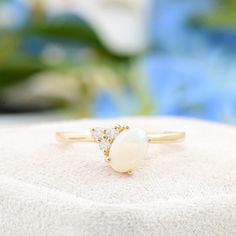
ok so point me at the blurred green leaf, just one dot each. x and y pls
(223, 16)
(8, 46)
(18, 70)
(78, 32)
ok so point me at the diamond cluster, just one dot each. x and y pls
(105, 137)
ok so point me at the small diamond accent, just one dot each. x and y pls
(112, 133)
(104, 137)
(97, 133)
(104, 144)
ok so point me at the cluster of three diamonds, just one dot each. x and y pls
(105, 137)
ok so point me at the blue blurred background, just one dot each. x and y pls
(110, 58)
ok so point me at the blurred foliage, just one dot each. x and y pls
(17, 65)
(223, 16)
(61, 62)
(83, 57)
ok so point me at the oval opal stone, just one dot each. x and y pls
(128, 150)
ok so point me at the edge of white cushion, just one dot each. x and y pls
(27, 209)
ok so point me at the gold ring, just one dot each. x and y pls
(124, 148)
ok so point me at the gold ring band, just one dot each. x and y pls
(153, 137)
(124, 148)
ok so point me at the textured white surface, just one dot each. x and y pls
(48, 188)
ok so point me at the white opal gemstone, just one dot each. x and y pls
(128, 150)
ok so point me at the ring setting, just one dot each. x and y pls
(124, 148)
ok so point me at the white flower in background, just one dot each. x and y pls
(121, 24)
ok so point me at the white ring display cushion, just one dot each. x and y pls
(50, 188)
